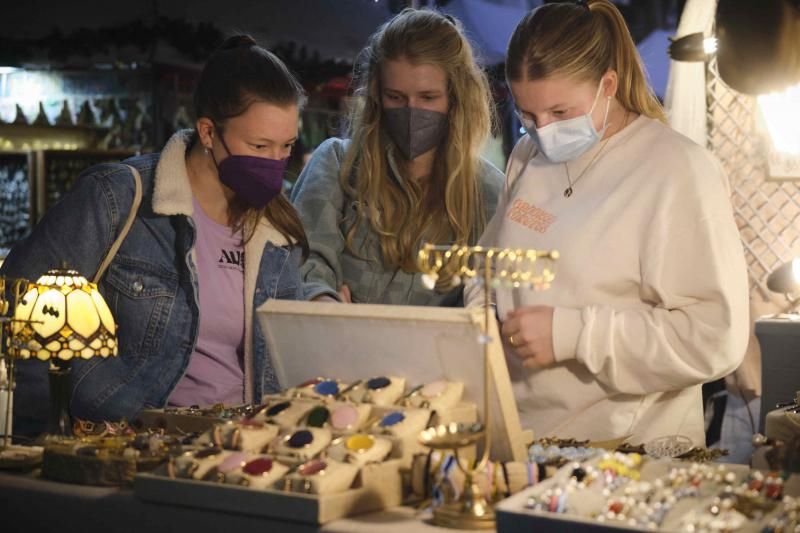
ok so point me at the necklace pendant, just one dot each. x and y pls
(567, 192)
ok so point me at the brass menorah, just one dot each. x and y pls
(11, 292)
(494, 268)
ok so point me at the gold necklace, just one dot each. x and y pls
(568, 190)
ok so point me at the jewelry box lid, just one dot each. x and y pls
(422, 344)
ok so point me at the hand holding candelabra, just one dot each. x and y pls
(493, 267)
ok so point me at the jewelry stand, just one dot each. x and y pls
(518, 268)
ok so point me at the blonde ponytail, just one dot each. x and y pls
(633, 91)
(599, 40)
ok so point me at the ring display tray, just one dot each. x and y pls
(380, 488)
(356, 342)
(422, 344)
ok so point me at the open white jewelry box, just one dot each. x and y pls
(422, 344)
(352, 342)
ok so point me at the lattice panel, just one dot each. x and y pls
(767, 212)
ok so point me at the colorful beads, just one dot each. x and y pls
(556, 455)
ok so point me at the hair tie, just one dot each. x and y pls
(582, 3)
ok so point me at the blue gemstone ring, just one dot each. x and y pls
(277, 408)
(327, 388)
(378, 383)
(300, 439)
(392, 419)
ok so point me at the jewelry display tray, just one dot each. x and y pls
(380, 488)
(514, 517)
(348, 343)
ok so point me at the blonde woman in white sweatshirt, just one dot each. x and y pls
(651, 294)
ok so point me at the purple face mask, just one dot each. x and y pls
(255, 180)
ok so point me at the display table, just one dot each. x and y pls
(779, 338)
(29, 503)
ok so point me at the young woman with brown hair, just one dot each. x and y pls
(212, 240)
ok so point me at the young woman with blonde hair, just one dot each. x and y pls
(410, 171)
(651, 296)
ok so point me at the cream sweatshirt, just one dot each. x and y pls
(651, 289)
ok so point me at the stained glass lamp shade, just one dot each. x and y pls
(62, 317)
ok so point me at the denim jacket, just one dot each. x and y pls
(328, 213)
(150, 287)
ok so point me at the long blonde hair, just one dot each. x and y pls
(581, 40)
(401, 212)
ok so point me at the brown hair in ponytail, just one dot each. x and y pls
(597, 40)
(236, 75)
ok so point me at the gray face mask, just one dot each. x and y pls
(413, 130)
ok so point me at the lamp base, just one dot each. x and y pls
(455, 516)
(471, 511)
(60, 423)
(16, 457)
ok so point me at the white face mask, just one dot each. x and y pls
(565, 140)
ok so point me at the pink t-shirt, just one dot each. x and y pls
(215, 373)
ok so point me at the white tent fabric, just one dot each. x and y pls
(685, 98)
